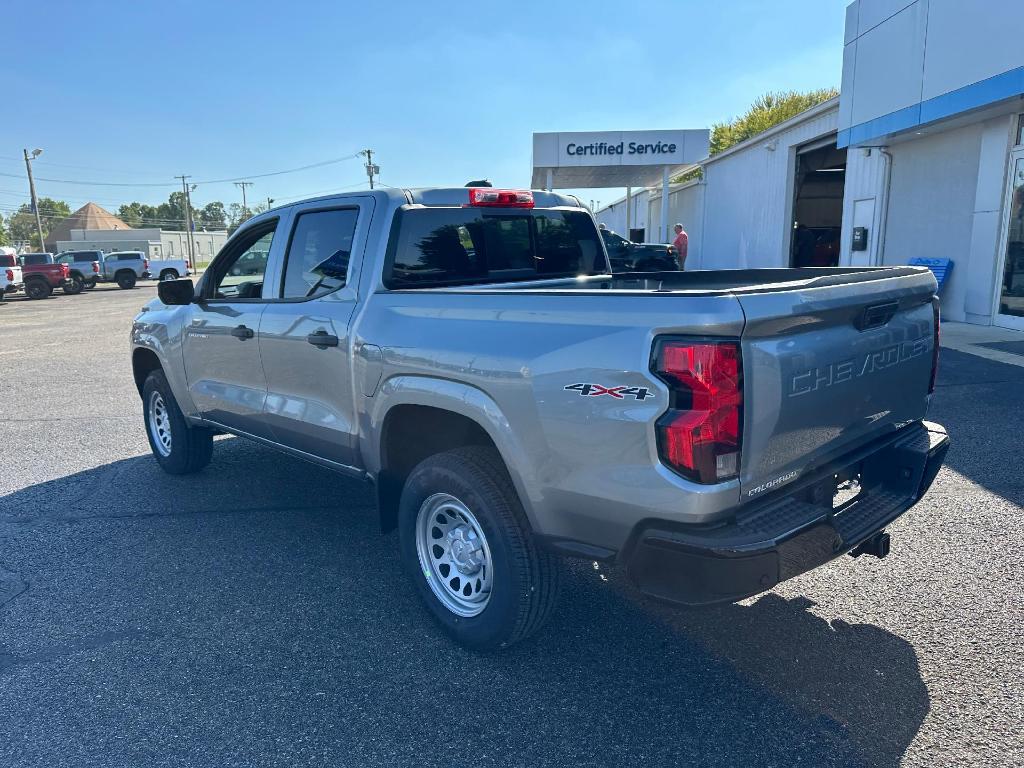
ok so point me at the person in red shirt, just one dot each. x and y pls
(681, 244)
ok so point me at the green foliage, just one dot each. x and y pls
(211, 216)
(4, 238)
(22, 225)
(766, 112)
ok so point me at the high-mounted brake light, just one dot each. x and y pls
(504, 198)
(937, 314)
(699, 436)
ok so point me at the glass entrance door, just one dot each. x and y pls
(1010, 306)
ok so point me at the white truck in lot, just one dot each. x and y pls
(10, 273)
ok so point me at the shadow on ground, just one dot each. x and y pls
(253, 614)
(979, 402)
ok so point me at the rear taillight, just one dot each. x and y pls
(65, 270)
(699, 435)
(96, 267)
(10, 275)
(504, 198)
(188, 264)
(936, 313)
(145, 264)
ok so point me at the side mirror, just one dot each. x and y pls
(176, 292)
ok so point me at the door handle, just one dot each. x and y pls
(241, 332)
(322, 339)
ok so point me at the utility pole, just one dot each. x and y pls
(270, 203)
(188, 216)
(243, 185)
(371, 169)
(32, 190)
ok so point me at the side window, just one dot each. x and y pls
(240, 275)
(319, 252)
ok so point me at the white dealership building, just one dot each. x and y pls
(922, 155)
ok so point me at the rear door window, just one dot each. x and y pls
(319, 253)
(463, 246)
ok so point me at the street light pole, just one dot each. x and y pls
(32, 190)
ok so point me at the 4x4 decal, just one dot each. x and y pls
(595, 390)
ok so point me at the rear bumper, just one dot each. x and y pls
(790, 533)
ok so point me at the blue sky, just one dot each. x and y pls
(442, 92)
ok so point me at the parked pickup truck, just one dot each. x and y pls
(83, 266)
(468, 352)
(43, 275)
(10, 273)
(625, 256)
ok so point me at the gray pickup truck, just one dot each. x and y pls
(468, 353)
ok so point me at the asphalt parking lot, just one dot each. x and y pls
(252, 615)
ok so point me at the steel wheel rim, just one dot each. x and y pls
(454, 555)
(169, 276)
(160, 424)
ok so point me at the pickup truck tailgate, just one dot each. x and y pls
(828, 366)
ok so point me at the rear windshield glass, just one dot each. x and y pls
(463, 246)
(31, 259)
(7, 260)
(86, 256)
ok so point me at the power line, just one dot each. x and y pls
(172, 184)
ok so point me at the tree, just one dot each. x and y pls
(138, 215)
(766, 112)
(4, 239)
(237, 216)
(211, 216)
(22, 225)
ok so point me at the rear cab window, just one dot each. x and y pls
(432, 247)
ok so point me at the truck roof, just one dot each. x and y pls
(437, 196)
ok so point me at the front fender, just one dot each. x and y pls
(160, 330)
(457, 397)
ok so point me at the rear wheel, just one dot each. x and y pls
(467, 546)
(89, 284)
(75, 286)
(169, 274)
(38, 289)
(125, 279)
(179, 448)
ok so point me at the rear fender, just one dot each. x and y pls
(459, 398)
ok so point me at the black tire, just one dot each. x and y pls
(169, 274)
(190, 447)
(525, 579)
(38, 289)
(75, 287)
(125, 279)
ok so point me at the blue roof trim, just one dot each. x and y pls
(980, 94)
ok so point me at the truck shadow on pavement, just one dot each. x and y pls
(257, 604)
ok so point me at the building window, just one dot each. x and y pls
(170, 246)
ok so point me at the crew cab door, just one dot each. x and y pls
(304, 338)
(221, 346)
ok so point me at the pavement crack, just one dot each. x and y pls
(9, 661)
(11, 585)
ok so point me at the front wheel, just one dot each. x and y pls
(179, 448)
(125, 280)
(466, 544)
(74, 287)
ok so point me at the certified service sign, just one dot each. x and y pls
(614, 158)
